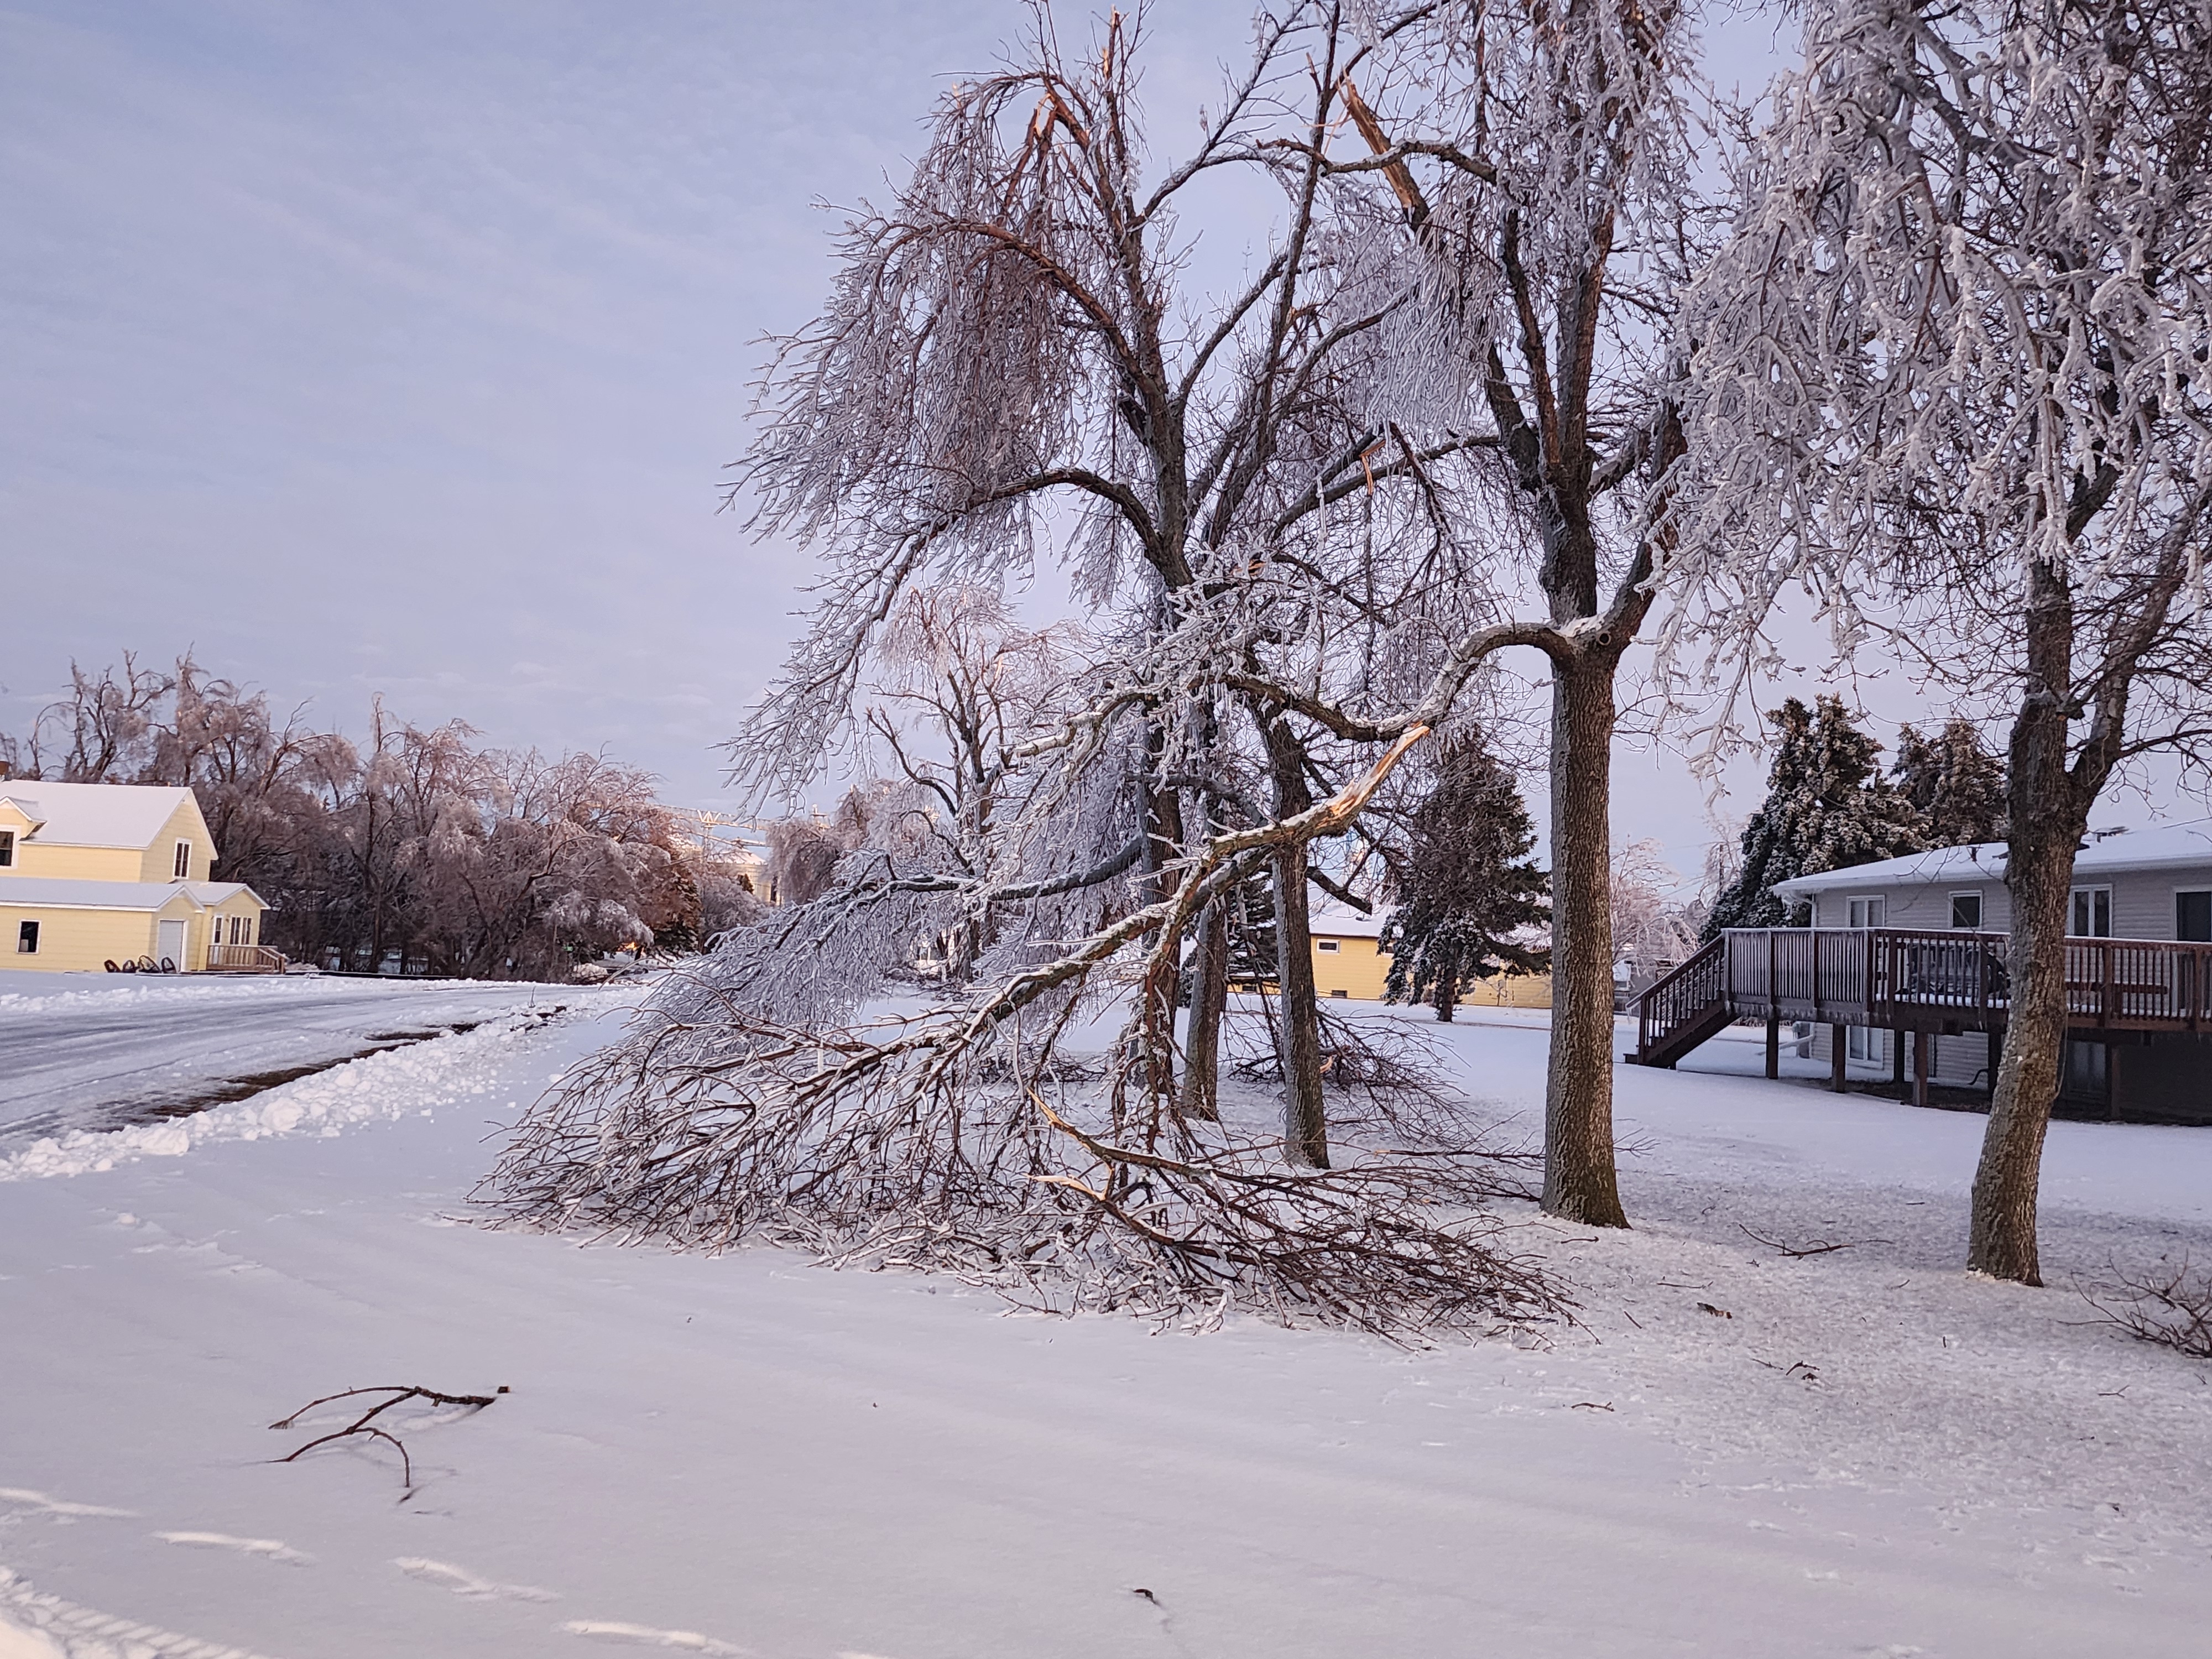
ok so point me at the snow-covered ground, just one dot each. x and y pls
(1864, 1452)
(101, 1052)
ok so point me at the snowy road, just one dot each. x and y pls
(103, 1054)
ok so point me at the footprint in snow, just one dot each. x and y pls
(268, 1549)
(684, 1641)
(55, 1629)
(467, 1584)
(24, 1497)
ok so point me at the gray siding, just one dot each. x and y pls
(1923, 905)
(1961, 1062)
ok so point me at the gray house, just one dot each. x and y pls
(2140, 1046)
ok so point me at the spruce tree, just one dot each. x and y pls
(1467, 884)
(1955, 782)
(1826, 808)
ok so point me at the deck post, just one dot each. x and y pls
(1896, 1060)
(1773, 1044)
(1836, 1073)
(1921, 1056)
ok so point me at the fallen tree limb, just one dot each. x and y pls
(365, 1424)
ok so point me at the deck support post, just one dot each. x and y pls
(1774, 1045)
(1921, 1056)
(1896, 1060)
(1837, 1057)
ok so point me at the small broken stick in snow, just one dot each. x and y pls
(1816, 1247)
(363, 1424)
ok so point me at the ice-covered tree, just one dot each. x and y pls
(1468, 893)
(1827, 807)
(1950, 379)
(1954, 782)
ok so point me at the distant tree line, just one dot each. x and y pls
(413, 850)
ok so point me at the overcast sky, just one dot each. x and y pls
(399, 347)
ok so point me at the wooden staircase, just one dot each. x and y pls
(1683, 1009)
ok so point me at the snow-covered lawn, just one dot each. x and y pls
(1865, 1452)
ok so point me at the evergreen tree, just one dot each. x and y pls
(1955, 781)
(1826, 808)
(1467, 884)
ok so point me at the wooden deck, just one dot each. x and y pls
(1901, 979)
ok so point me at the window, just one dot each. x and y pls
(1341, 993)
(1966, 910)
(2192, 916)
(184, 860)
(1864, 1044)
(1325, 945)
(7, 848)
(1866, 911)
(2088, 1072)
(2093, 913)
(27, 939)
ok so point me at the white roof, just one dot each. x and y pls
(2169, 847)
(34, 890)
(99, 895)
(93, 814)
(1334, 920)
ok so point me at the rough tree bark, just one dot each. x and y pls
(1209, 997)
(1305, 1130)
(1579, 1179)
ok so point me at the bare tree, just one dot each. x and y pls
(1951, 381)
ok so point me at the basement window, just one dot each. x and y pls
(1341, 993)
(27, 939)
(1325, 945)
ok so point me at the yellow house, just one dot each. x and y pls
(1349, 964)
(92, 874)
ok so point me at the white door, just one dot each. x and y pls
(172, 945)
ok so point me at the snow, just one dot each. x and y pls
(98, 1052)
(1867, 1451)
(95, 814)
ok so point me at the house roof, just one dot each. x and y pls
(2168, 846)
(38, 891)
(1334, 920)
(93, 814)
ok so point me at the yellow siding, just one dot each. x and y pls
(1355, 969)
(81, 941)
(1511, 991)
(76, 863)
(158, 862)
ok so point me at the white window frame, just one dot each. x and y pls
(2072, 910)
(7, 849)
(27, 938)
(1867, 1044)
(1872, 901)
(1328, 944)
(1980, 910)
(181, 865)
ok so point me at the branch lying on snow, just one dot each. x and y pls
(2171, 1309)
(365, 1424)
(1816, 1247)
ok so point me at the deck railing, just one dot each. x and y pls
(1682, 998)
(245, 959)
(1899, 977)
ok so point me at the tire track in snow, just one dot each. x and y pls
(49, 1626)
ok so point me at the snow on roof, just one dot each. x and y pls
(1335, 921)
(93, 814)
(100, 895)
(2169, 847)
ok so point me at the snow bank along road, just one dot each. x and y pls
(99, 1053)
(1740, 1453)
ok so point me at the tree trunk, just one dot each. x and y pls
(1445, 997)
(1579, 1180)
(1305, 1128)
(1209, 997)
(2048, 816)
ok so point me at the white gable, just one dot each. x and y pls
(93, 814)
